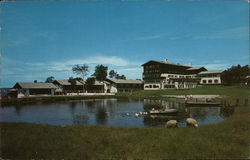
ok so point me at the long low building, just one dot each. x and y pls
(122, 85)
(65, 86)
(39, 88)
(210, 77)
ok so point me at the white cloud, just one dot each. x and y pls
(18, 71)
(240, 32)
(231, 33)
(216, 66)
(91, 61)
(150, 37)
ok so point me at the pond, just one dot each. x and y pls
(110, 112)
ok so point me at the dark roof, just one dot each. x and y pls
(123, 81)
(67, 83)
(165, 63)
(38, 85)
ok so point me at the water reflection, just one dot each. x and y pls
(101, 115)
(226, 111)
(111, 112)
(80, 119)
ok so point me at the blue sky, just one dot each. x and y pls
(46, 38)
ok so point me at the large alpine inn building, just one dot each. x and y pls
(165, 75)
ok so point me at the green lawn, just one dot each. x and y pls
(218, 90)
(226, 140)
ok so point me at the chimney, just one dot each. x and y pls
(190, 64)
(165, 60)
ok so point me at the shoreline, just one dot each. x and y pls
(8, 101)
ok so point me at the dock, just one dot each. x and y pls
(203, 103)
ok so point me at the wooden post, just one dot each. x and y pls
(246, 101)
(237, 102)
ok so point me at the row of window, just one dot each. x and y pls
(180, 76)
(152, 76)
(152, 86)
(152, 71)
(210, 81)
(153, 66)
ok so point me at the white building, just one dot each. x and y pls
(210, 77)
(164, 75)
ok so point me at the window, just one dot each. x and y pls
(204, 81)
(216, 81)
(210, 81)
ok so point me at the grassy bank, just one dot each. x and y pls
(217, 90)
(232, 91)
(228, 139)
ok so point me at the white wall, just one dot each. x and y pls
(210, 78)
(113, 88)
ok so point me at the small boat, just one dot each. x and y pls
(165, 111)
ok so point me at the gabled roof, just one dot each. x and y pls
(160, 62)
(211, 72)
(123, 81)
(38, 85)
(67, 83)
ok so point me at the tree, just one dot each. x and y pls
(120, 76)
(81, 70)
(100, 72)
(50, 79)
(90, 84)
(90, 81)
(235, 75)
(78, 79)
(72, 81)
(112, 74)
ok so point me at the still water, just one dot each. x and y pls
(110, 112)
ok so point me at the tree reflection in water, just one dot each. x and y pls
(227, 110)
(101, 115)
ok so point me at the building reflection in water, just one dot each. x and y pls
(101, 114)
(202, 114)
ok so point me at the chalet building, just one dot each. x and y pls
(64, 86)
(164, 75)
(39, 88)
(210, 77)
(121, 85)
(97, 86)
